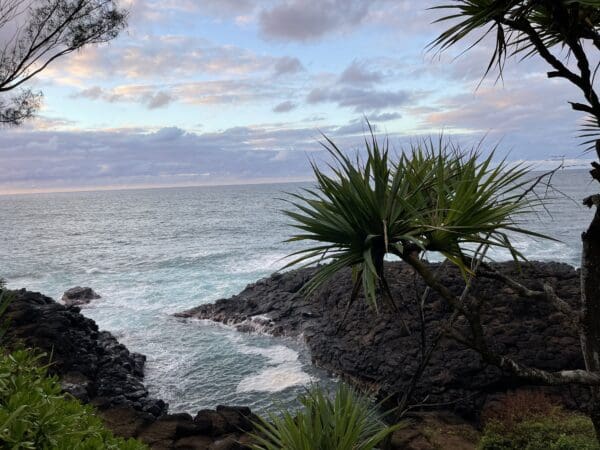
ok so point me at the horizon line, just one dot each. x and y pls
(144, 187)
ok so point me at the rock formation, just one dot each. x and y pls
(78, 296)
(380, 350)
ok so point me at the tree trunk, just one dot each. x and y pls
(590, 304)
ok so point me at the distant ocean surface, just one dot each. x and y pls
(153, 252)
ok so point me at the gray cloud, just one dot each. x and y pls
(159, 100)
(284, 107)
(304, 20)
(138, 156)
(359, 74)
(288, 65)
(193, 93)
(87, 159)
(360, 99)
(384, 117)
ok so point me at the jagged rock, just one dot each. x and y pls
(79, 296)
(92, 364)
(94, 367)
(380, 350)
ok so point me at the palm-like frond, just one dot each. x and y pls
(554, 21)
(348, 421)
(435, 197)
(528, 27)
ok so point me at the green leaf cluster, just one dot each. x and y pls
(34, 414)
(433, 197)
(348, 421)
(556, 432)
(555, 22)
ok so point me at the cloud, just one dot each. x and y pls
(159, 100)
(309, 20)
(168, 58)
(384, 117)
(173, 156)
(284, 107)
(358, 74)
(361, 100)
(355, 127)
(288, 65)
(151, 97)
(215, 92)
(168, 155)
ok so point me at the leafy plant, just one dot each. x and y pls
(561, 431)
(348, 421)
(435, 197)
(34, 414)
(6, 298)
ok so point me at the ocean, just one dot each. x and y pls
(153, 252)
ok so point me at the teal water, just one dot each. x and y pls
(151, 253)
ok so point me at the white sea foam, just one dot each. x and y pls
(283, 370)
(275, 379)
(276, 354)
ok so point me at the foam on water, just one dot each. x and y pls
(283, 370)
(275, 379)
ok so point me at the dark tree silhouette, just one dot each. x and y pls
(34, 33)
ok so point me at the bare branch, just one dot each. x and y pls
(548, 294)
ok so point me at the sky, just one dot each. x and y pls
(241, 91)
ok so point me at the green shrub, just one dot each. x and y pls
(34, 414)
(559, 431)
(348, 421)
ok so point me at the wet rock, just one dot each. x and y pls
(78, 295)
(92, 364)
(95, 367)
(380, 350)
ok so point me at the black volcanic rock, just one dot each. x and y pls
(78, 295)
(380, 350)
(94, 367)
(92, 364)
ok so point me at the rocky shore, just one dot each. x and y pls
(380, 350)
(94, 367)
(374, 350)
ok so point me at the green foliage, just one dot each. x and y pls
(513, 22)
(349, 421)
(35, 415)
(435, 197)
(555, 432)
(5, 298)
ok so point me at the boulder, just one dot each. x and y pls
(78, 296)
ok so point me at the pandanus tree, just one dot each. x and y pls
(433, 198)
(566, 35)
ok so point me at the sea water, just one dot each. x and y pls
(151, 253)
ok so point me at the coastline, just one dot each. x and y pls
(95, 368)
(372, 351)
(379, 351)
